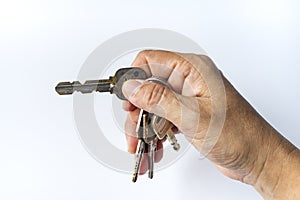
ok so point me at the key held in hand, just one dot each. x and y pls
(113, 84)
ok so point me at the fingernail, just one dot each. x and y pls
(131, 87)
(131, 149)
(131, 146)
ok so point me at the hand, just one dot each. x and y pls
(246, 148)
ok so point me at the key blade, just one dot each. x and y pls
(68, 88)
(151, 154)
(64, 88)
(140, 152)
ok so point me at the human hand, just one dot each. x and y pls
(243, 149)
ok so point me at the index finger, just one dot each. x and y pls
(169, 66)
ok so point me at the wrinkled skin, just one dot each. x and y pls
(246, 144)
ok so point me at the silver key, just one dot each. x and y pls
(141, 149)
(163, 128)
(113, 84)
(173, 141)
(151, 155)
(142, 134)
(151, 140)
(141, 146)
(148, 141)
(160, 126)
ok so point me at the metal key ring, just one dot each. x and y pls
(159, 80)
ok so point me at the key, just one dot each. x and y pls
(140, 152)
(113, 84)
(151, 154)
(163, 128)
(151, 141)
(142, 146)
(160, 126)
(148, 139)
(172, 139)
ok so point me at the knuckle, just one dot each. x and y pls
(143, 53)
(205, 58)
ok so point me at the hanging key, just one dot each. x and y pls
(151, 155)
(138, 160)
(163, 128)
(150, 139)
(113, 84)
(147, 139)
(141, 131)
(140, 147)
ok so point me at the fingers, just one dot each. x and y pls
(157, 62)
(156, 98)
(144, 165)
(127, 106)
(160, 64)
(152, 97)
(172, 67)
(130, 127)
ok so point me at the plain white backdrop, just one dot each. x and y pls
(255, 43)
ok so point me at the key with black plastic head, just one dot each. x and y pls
(113, 84)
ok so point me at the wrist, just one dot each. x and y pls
(264, 158)
(278, 172)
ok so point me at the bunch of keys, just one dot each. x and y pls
(150, 128)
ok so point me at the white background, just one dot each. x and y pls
(255, 43)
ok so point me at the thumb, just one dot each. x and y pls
(155, 98)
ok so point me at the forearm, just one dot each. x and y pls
(275, 171)
(280, 174)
